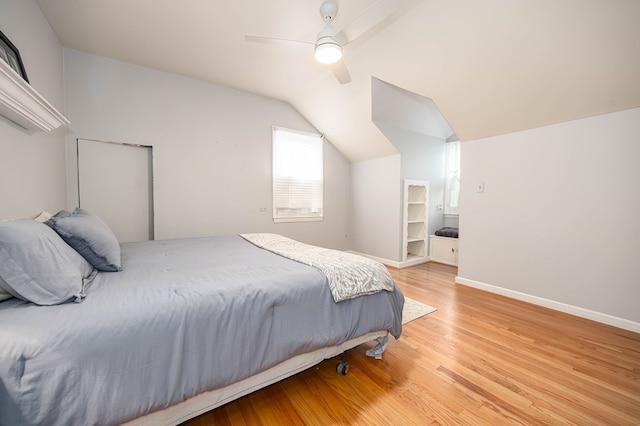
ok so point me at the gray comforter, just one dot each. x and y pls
(184, 316)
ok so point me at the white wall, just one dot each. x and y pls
(418, 130)
(211, 148)
(32, 166)
(559, 220)
(376, 207)
(377, 193)
(422, 158)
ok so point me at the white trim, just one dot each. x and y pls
(405, 225)
(394, 263)
(382, 260)
(414, 261)
(275, 128)
(20, 103)
(298, 219)
(552, 304)
(445, 262)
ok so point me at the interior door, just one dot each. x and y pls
(115, 181)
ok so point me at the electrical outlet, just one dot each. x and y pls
(480, 187)
(263, 210)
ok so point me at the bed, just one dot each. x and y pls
(174, 329)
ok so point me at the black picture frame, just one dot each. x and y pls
(10, 54)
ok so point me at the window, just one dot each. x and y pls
(297, 176)
(452, 183)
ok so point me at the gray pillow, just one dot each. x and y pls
(37, 266)
(89, 236)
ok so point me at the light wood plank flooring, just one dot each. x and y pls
(481, 359)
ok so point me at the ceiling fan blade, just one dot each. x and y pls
(275, 40)
(341, 72)
(376, 13)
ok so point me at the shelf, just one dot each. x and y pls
(415, 220)
(413, 257)
(22, 104)
(416, 248)
(416, 193)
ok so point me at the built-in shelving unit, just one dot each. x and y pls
(22, 104)
(416, 224)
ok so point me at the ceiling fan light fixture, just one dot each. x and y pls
(328, 51)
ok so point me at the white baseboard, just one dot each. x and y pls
(394, 263)
(413, 262)
(444, 262)
(382, 260)
(558, 306)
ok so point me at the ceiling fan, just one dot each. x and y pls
(329, 43)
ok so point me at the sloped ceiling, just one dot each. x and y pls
(396, 107)
(492, 67)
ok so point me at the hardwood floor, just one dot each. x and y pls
(480, 359)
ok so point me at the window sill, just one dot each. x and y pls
(296, 219)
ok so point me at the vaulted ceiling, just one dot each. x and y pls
(491, 67)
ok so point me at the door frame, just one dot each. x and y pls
(151, 177)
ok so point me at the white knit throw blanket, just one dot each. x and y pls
(349, 275)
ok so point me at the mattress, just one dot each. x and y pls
(183, 317)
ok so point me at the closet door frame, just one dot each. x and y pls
(115, 181)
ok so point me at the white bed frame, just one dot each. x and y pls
(207, 401)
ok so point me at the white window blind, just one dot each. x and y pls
(452, 183)
(297, 176)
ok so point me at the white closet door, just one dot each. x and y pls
(115, 181)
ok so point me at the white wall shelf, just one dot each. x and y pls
(415, 243)
(22, 104)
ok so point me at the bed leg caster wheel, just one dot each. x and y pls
(342, 368)
(343, 365)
